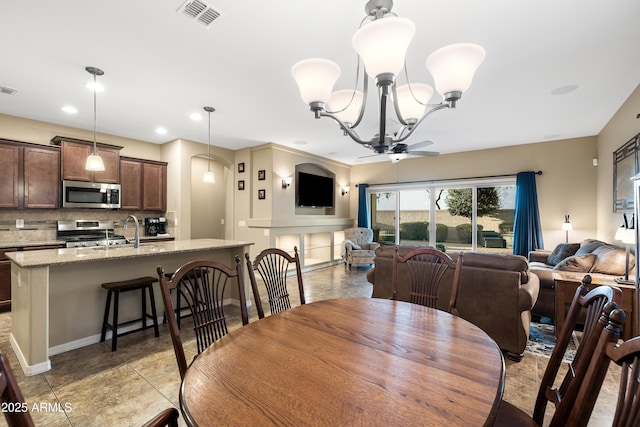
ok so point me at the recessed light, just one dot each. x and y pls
(563, 90)
(69, 109)
(161, 131)
(196, 116)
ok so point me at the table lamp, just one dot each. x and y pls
(567, 226)
(627, 235)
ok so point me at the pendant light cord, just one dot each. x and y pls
(209, 146)
(95, 114)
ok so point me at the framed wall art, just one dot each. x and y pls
(241, 185)
(626, 164)
(262, 175)
(241, 167)
(262, 194)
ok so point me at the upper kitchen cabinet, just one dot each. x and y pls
(143, 184)
(30, 176)
(74, 156)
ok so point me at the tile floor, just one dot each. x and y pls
(93, 386)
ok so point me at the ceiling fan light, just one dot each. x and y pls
(94, 163)
(346, 104)
(396, 157)
(453, 66)
(315, 78)
(410, 109)
(383, 43)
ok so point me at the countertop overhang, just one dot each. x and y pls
(49, 257)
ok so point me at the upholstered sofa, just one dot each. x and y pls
(358, 246)
(590, 256)
(496, 293)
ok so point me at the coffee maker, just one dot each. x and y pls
(155, 226)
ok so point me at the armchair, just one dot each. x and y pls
(358, 246)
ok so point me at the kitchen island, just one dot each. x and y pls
(58, 302)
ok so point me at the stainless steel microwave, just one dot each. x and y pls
(80, 194)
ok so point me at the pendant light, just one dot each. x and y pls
(208, 175)
(94, 161)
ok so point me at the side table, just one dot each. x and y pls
(566, 284)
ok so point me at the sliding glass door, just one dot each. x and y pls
(452, 216)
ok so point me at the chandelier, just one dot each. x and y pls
(381, 43)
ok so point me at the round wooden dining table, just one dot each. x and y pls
(354, 361)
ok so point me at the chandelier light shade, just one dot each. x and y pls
(208, 176)
(382, 45)
(315, 78)
(412, 100)
(94, 161)
(382, 42)
(346, 105)
(453, 66)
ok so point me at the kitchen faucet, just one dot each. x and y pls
(137, 235)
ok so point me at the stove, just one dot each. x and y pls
(80, 233)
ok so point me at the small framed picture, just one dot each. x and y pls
(262, 175)
(262, 194)
(241, 167)
(241, 185)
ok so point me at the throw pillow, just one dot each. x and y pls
(577, 263)
(562, 251)
(610, 259)
(588, 246)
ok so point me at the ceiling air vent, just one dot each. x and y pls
(8, 90)
(200, 12)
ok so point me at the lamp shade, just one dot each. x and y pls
(629, 236)
(407, 95)
(382, 44)
(567, 226)
(346, 104)
(315, 78)
(94, 163)
(453, 66)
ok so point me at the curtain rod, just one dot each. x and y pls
(454, 179)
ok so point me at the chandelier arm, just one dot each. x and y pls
(396, 106)
(365, 87)
(349, 131)
(382, 130)
(437, 107)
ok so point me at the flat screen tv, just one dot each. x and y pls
(314, 191)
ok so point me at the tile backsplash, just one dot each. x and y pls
(40, 224)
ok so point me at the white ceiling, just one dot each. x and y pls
(160, 67)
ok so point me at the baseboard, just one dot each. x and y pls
(28, 370)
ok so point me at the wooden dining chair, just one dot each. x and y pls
(167, 418)
(427, 267)
(201, 285)
(14, 407)
(273, 266)
(625, 355)
(596, 305)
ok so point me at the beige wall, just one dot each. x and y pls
(567, 185)
(620, 129)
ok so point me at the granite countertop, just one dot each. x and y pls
(28, 243)
(47, 257)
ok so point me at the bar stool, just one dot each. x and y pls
(140, 283)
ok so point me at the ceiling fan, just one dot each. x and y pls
(401, 151)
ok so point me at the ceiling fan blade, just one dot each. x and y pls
(419, 145)
(370, 155)
(423, 153)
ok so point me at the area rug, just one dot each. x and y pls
(542, 339)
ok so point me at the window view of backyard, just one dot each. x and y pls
(445, 217)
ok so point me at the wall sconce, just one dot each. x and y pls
(345, 190)
(286, 181)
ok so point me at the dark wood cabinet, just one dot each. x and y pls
(9, 175)
(30, 175)
(144, 184)
(74, 157)
(41, 178)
